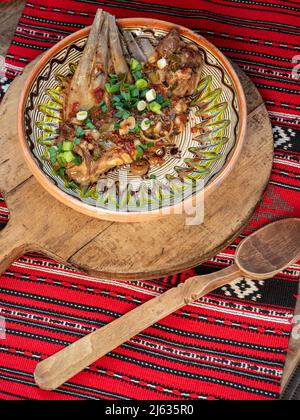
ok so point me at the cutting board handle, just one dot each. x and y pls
(12, 244)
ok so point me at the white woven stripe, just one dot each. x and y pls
(287, 163)
(74, 275)
(284, 320)
(204, 357)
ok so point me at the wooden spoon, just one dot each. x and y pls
(260, 256)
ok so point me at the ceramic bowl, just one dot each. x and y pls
(201, 164)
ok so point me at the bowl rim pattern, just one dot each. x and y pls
(110, 215)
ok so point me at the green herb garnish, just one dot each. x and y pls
(140, 152)
(155, 107)
(135, 65)
(147, 145)
(79, 132)
(60, 172)
(52, 154)
(103, 107)
(67, 146)
(112, 88)
(90, 125)
(141, 84)
(77, 160)
(126, 96)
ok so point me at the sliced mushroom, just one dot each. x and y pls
(140, 167)
(126, 125)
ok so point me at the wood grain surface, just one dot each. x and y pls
(129, 251)
(9, 15)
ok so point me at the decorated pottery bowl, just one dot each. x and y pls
(198, 164)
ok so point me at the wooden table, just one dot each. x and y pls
(9, 15)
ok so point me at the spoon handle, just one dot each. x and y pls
(59, 368)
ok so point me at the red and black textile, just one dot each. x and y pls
(229, 345)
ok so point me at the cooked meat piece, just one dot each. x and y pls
(147, 47)
(89, 171)
(118, 60)
(113, 157)
(169, 44)
(182, 71)
(82, 173)
(88, 82)
(134, 48)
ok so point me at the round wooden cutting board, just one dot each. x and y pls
(137, 250)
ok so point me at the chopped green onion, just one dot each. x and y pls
(52, 154)
(92, 192)
(140, 152)
(126, 96)
(90, 125)
(145, 124)
(52, 150)
(122, 113)
(117, 98)
(135, 92)
(67, 146)
(151, 95)
(126, 115)
(77, 160)
(137, 75)
(112, 88)
(65, 157)
(76, 141)
(103, 107)
(147, 145)
(141, 106)
(81, 115)
(160, 99)
(155, 107)
(46, 155)
(166, 103)
(61, 159)
(60, 172)
(162, 63)
(143, 93)
(136, 129)
(72, 185)
(135, 65)
(79, 132)
(119, 114)
(59, 147)
(141, 84)
(69, 156)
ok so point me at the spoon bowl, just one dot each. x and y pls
(269, 250)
